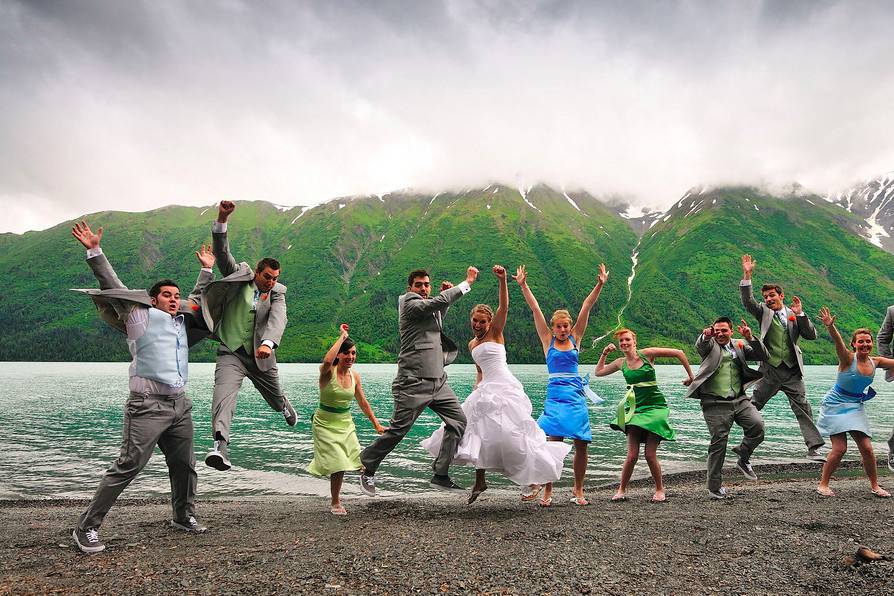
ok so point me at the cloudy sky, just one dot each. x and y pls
(133, 105)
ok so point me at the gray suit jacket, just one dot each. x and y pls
(800, 327)
(712, 355)
(424, 349)
(114, 301)
(884, 338)
(270, 317)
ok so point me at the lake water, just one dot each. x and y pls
(60, 428)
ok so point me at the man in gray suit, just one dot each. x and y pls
(720, 385)
(159, 329)
(883, 340)
(421, 382)
(781, 329)
(246, 312)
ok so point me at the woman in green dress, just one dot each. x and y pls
(336, 449)
(643, 413)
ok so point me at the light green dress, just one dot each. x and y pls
(651, 411)
(336, 448)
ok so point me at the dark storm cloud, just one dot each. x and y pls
(139, 104)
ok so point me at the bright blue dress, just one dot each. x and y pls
(565, 411)
(842, 408)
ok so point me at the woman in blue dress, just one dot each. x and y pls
(565, 413)
(842, 409)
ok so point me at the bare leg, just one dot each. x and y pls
(633, 437)
(480, 486)
(864, 444)
(654, 466)
(580, 470)
(833, 458)
(547, 499)
(335, 482)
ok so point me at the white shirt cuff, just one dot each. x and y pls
(94, 252)
(745, 282)
(465, 287)
(208, 269)
(267, 343)
(218, 228)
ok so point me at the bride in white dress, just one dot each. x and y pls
(501, 436)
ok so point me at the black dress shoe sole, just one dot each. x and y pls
(216, 461)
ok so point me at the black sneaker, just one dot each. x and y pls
(446, 484)
(189, 525)
(815, 455)
(891, 460)
(746, 469)
(217, 457)
(289, 413)
(719, 494)
(88, 540)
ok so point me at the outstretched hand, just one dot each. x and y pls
(521, 275)
(602, 275)
(744, 330)
(748, 264)
(708, 332)
(500, 272)
(826, 317)
(688, 381)
(85, 235)
(343, 329)
(446, 285)
(224, 210)
(206, 257)
(796, 306)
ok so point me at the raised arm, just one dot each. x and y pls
(844, 354)
(705, 342)
(746, 288)
(886, 335)
(755, 348)
(364, 404)
(543, 332)
(653, 353)
(805, 326)
(98, 262)
(418, 308)
(206, 273)
(331, 355)
(603, 369)
(580, 326)
(499, 322)
(220, 243)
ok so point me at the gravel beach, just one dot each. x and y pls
(772, 536)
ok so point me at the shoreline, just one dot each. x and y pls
(773, 536)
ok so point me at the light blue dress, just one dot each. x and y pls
(565, 411)
(842, 408)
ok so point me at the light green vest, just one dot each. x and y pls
(237, 325)
(726, 382)
(779, 345)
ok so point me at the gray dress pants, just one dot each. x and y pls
(790, 382)
(720, 414)
(149, 419)
(411, 396)
(231, 369)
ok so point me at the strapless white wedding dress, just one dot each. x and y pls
(501, 435)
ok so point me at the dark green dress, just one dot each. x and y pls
(651, 411)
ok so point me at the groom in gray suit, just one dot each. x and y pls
(246, 311)
(421, 382)
(720, 385)
(883, 340)
(781, 329)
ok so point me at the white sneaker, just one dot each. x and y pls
(720, 494)
(217, 457)
(368, 485)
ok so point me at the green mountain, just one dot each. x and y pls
(347, 260)
(690, 265)
(344, 261)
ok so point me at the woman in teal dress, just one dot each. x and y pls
(842, 410)
(565, 413)
(643, 413)
(336, 448)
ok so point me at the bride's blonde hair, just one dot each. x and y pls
(483, 308)
(561, 315)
